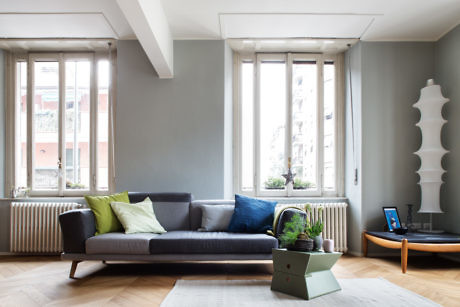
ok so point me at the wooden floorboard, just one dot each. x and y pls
(43, 281)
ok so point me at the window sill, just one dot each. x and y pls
(44, 198)
(300, 199)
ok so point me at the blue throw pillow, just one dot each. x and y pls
(252, 215)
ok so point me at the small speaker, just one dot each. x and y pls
(401, 230)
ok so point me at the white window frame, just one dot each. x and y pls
(12, 126)
(256, 58)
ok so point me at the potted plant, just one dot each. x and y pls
(299, 184)
(314, 230)
(295, 236)
(273, 183)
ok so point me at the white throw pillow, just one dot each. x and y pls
(216, 217)
(138, 217)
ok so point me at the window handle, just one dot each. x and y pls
(59, 163)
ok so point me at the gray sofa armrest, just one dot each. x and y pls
(77, 226)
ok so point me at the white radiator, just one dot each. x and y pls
(334, 217)
(34, 227)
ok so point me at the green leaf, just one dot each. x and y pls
(292, 229)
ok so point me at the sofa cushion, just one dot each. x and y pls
(216, 218)
(171, 209)
(196, 210)
(120, 243)
(106, 220)
(252, 215)
(194, 242)
(138, 217)
(172, 216)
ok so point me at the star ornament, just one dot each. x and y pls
(289, 177)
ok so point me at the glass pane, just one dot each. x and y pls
(46, 125)
(272, 124)
(103, 125)
(77, 124)
(247, 127)
(304, 124)
(21, 124)
(329, 126)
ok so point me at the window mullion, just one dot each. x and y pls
(288, 142)
(257, 125)
(30, 122)
(320, 114)
(255, 139)
(237, 115)
(111, 115)
(339, 125)
(61, 129)
(93, 125)
(10, 124)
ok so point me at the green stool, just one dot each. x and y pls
(304, 274)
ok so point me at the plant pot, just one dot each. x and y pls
(303, 245)
(302, 236)
(318, 242)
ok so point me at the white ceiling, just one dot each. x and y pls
(83, 25)
(413, 20)
(393, 20)
(108, 8)
(293, 25)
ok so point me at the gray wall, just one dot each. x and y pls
(2, 123)
(353, 191)
(388, 80)
(171, 133)
(392, 75)
(447, 67)
(228, 124)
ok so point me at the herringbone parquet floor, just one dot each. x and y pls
(43, 281)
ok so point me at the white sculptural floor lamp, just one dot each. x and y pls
(431, 152)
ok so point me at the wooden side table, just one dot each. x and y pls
(304, 274)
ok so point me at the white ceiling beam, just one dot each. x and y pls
(149, 23)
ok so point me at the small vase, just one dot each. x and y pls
(318, 242)
(328, 245)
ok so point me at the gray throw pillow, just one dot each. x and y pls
(216, 217)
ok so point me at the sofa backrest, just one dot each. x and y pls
(195, 210)
(171, 209)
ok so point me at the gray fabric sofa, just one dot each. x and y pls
(180, 216)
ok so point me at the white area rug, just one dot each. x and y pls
(232, 293)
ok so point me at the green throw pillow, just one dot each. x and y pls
(137, 217)
(106, 220)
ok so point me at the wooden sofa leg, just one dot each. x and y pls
(404, 254)
(73, 268)
(365, 244)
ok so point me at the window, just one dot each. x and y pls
(60, 124)
(288, 113)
